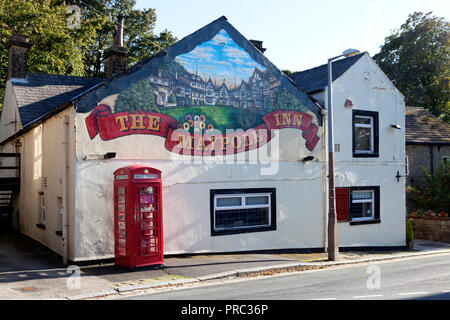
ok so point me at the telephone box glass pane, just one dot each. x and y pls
(147, 190)
(148, 221)
(121, 222)
(147, 199)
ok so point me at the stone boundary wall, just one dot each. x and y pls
(435, 230)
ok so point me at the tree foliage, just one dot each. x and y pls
(139, 37)
(416, 58)
(139, 96)
(59, 49)
(433, 193)
(56, 48)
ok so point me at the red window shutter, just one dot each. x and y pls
(342, 204)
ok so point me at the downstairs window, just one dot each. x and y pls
(242, 211)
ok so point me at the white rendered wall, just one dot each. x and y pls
(370, 90)
(186, 194)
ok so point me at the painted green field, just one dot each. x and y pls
(221, 117)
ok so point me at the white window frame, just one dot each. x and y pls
(406, 166)
(369, 126)
(241, 207)
(372, 201)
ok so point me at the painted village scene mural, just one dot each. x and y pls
(193, 100)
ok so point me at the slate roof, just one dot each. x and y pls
(421, 127)
(41, 93)
(316, 79)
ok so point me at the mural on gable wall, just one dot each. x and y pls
(194, 98)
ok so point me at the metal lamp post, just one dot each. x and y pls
(333, 247)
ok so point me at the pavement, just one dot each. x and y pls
(30, 271)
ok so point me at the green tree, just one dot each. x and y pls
(287, 72)
(433, 193)
(56, 48)
(172, 98)
(284, 100)
(139, 96)
(416, 57)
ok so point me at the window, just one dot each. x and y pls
(42, 220)
(59, 214)
(364, 205)
(41, 207)
(358, 205)
(365, 134)
(242, 211)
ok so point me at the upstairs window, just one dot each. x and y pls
(365, 134)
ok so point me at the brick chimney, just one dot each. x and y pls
(259, 45)
(18, 47)
(116, 56)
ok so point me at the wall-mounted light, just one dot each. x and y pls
(109, 155)
(398, 176)
(99, 156)
(309, 158)
(396, 126)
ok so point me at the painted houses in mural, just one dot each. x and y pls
(191, 80)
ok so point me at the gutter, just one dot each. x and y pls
(415, 143)
(37, 122)
(49, 114)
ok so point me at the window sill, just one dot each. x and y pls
(357, 223)
(242, 230)
(40, 226)
(366, 155)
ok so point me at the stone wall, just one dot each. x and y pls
(435, 230)
(427, 156)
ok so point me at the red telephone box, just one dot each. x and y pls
(138, 216)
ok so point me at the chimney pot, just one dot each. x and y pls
(18, 47)
(259, 45)
(116, 56)
(118, 34)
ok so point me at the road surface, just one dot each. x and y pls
(425, 277)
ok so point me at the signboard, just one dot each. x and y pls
(145, 176)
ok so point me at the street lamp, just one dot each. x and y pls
(333, 247)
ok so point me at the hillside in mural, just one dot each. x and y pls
(217, 80)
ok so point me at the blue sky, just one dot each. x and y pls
(298, 34)
(220, 58)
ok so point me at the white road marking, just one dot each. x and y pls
(412, 293)
(368, 296)
(324, 299)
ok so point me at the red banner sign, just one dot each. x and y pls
(113, 125)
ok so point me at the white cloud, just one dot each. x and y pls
(222, 38)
